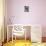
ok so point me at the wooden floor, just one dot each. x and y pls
(23, 43)
(18, 43)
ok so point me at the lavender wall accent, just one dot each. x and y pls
(36, 14)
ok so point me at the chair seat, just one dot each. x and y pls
(18, 33)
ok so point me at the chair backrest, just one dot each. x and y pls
(18, 30)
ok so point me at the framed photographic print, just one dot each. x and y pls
(26, 8)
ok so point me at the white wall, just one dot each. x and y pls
(36, 14)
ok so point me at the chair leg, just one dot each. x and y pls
(12, 37)
(25, 36)
(15, 38)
